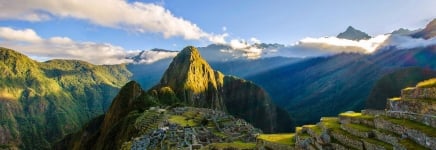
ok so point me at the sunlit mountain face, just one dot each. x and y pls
(114, 74)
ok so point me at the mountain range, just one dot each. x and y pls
(41, 102)
(326, 86)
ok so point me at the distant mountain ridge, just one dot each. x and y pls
(329, 85)
(428, 32)
(353, 34)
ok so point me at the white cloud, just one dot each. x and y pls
(136, 16)
(218, 39)
(25, 35)
(333, 43)
(255, 40)
(148, 57)
(407, 42)
(243, 48)
(63, 47)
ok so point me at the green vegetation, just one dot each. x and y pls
(409, 144)
(395, 99)
(379, 143)
(285, 138)
(46, 101)
(233, 145)
(427, 83)
(359, 127)
(430, 131)
(390, 85)
(182, 120)
(356, 115)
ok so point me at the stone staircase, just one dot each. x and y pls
(409, 122)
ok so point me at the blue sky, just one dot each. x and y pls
(279, 21)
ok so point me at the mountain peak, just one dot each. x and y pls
(192, 78)
(353, 34)
(189, 52)
(430, 30)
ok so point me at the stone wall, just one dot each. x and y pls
(418, 106)
(429, 120)
(414, 134)
(418, 93)
(261, 144)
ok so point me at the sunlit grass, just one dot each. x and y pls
(395, 99)
(427, 83)
(234, 145)
(286, 138)
(356, 115)
(182, 120)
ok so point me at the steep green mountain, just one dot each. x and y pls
(110, 130)
(353, 34)
(391, 84)
(188, 81)
(326, 86)
(149, 74)
(195, 83)
(42, 102)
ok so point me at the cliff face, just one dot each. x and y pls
(42, 102)
(195, 83)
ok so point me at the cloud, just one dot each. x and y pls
(136, 16)
(344, 45)
(243, 48)
(27, 41)
(25, 35)
(152, 56)
(407, 42)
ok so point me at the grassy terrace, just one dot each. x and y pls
(234, 145)
(430, 131)
(287, 138)
(182, 120)
(334, 126)
(377, 142)
(361, 128)
(356, 115)
(330, 122)
(409, 144)
(427, 83)
(317, 130)
(395, 99)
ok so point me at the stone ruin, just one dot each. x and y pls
(409, 122)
